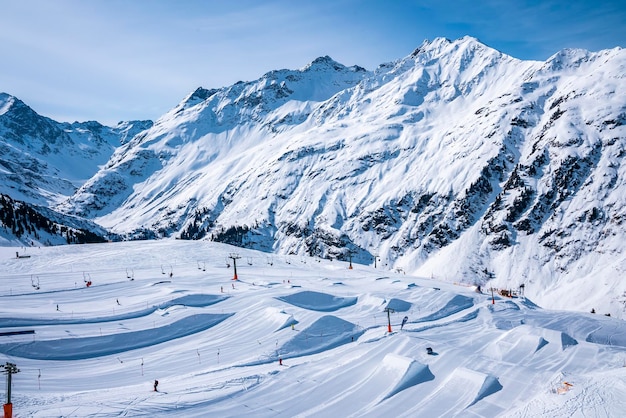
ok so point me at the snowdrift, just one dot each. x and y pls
(317, 301)
(326, 333)
(88, 347)
(460, 390)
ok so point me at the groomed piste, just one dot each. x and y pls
(302, 346)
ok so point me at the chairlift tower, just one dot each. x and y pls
(389, 311)
(9, 369)
(234, 257)
(350, 252)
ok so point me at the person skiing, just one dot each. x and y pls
(156, 383)
(404, 320)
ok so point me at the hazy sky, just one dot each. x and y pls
(112, 60)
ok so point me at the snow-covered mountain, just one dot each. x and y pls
(43, 161)
(456, 161)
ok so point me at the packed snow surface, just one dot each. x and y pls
(294, 336)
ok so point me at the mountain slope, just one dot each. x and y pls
(43, 161)
(457, 161)
(24, 224)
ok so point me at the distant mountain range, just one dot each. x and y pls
(456, 162)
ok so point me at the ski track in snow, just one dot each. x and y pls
(216, 344)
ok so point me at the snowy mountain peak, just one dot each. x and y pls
(574, 58)
(45, 161)
(326, 63)
(442, 45)
(197, 96)
(6, 101)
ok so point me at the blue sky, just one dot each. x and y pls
(112, 60)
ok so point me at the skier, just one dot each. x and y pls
(156, 383)
(404, 320)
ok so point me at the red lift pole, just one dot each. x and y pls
(389, 310)
(9, 369)
(235, 257)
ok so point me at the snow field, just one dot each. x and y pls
(215, 344)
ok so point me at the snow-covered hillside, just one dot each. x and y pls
(43, 161)
(456, 162)
(294, 336)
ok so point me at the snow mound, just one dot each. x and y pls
(399, 305)
(89, 347)
(609, 336)
(401, 373)
(454, 305)
(279, 318)
(567, 341)
(490, 386)
(387, 378)
(515, 346)
(34, 322)
(460, 390)
(326, 333)
(523, 342)
(317, 301)
(196, 301)
(596, 329)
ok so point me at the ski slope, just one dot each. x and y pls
(294, 336)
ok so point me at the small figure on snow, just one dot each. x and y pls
(118, 301)
(156, 383)
(57, 307)
(404, 321)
